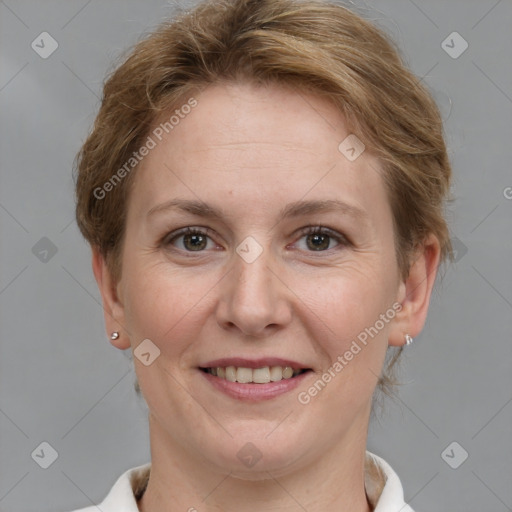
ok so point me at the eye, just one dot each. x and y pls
(318, 238)
(190, 240)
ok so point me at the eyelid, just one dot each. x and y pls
(341, 239)
(324, 230)
(194, 230)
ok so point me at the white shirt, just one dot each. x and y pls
(382, 486)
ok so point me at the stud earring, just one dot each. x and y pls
(114, 335)
(408, 339)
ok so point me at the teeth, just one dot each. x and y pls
(230, 373)
(287, 372)
(276, 373)
(259, 376)
(244, 375)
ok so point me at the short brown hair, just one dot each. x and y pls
(314, 46)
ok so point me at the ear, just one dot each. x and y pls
(414, 293)
(112, 307)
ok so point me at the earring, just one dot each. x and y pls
(114, 335)
(408, 339)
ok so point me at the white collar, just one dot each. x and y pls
(383, 488)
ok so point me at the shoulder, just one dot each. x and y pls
(383, 487)
(122, 496)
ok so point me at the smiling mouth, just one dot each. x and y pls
(263, 375)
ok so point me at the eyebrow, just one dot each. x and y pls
(296, 209)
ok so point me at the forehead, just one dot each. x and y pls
(269, 144)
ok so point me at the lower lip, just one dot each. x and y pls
(254, 392)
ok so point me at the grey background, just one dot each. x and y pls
(63, 383)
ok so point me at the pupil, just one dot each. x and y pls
(195, 242)
(318, 242)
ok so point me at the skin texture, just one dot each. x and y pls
(249, 152)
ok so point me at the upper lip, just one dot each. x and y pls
(253, 363)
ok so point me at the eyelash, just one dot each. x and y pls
(309, 230)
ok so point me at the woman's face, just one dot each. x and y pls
(289, 255)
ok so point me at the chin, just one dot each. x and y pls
(256, 458)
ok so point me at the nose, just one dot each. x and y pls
(254, 301)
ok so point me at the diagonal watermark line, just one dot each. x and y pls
(494, 416)
(78, 487)
(492, 81)
(418, 417)
(5, 495)
(485, 15)
(14, 14)
(429, 71)
(196, 400)
(82, 286)
(14, 76)
(13, 279)
(278, 425)
(124, 375)
(67, 225)
(216, 487)
(416, 494)
(307, 192)
(491, 212)
(169, 330)
(299, 92)
(184, 184)
(15, 424)
(426, 74)
(192, 307)
(412, 412)
(13, 217)
(317, 182)
(322, 321)
(73, 17)
(424, 14)
(80, 80)
(286, 490)
(488, 282)
(311, 311)
(434, 270)
(167, 371)
(508, 508)
(100, 304)
(373, 168)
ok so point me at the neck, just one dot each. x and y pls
(335, 481)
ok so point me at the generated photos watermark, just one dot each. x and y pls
(304, 397)
(151, 142)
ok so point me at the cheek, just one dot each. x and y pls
(354, 294)
(165, 305)
(345, 323)
(345, 307)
